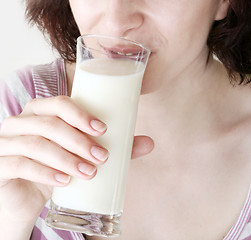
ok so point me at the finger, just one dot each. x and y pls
(66, 109)
(47, 153)
(142, 145)
(14, 167)
(58, 131)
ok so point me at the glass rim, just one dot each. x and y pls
(110, 37)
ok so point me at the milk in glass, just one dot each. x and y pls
(109, 90)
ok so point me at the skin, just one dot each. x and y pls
(199, 170)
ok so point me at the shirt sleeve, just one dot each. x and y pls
(16, 90)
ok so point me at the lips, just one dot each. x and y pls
(125, 52)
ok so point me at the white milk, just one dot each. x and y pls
(110, 94)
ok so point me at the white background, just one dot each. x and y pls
(20, 44)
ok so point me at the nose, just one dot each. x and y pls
(122, 17)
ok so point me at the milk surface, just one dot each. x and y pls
(109, 89)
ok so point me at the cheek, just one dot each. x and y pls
(186, 31)
(86, 13)
(185, 22)
(182, 37)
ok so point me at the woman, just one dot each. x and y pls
(195, 184)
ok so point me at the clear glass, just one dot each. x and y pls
(107, 83)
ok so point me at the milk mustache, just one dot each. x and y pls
(109, 90)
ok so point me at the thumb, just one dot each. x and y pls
(142, 145)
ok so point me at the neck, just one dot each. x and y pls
(189, 100)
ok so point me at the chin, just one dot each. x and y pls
(153, 79)
(149, 85)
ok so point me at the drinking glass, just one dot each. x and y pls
(107, 83)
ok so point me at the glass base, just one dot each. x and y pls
(91, 224)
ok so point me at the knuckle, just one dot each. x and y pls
(50, 122)
(81, 114)
(68, 160)
(76, 115)
(42, 171)
(35, 142)
(16, 164)
(60, 100)
(65, 100)
(81, 141)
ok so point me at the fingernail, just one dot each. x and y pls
(63, 178)
(87, 168)
(98, 125)
(99, 153)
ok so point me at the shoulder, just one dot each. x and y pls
(50, 79)
(28, 77)
(50, 70)
(19, 87)
(235, 129)
(16, 89)
(240, 142)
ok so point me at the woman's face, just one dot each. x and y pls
(175, 31)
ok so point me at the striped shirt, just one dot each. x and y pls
(18, 89)
(50, 80)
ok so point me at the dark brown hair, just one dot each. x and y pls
(54, 18)
(229, 39)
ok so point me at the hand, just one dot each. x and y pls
(45, 145)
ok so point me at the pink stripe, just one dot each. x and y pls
(66, 235)
(39, 72)
(45, 90)
(45, 86)
(9, 101)
(62, 81)
(40, 95)
(50, 79)
(26, 78)
(45, 71)
(242, 220)
(78, 236)
(249, 220)
(247, 238)
(237, 228)
(62, 233)
(51, 82)
(45, 80)
(37, 234)
(41, 90)
(44, 213)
